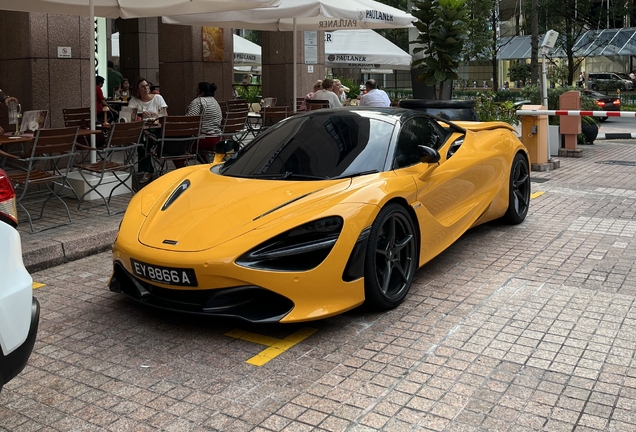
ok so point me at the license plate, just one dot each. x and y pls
(164, 275)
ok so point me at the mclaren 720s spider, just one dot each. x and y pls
(322, 212)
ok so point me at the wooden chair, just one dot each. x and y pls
(77, 117)
(235, 126)
(237, 105)
(48, 163)
(273, 115)
(299, 103)
(179, 140)
(116, 165)
(314, 104)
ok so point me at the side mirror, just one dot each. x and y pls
(226, 146)
(427, 154)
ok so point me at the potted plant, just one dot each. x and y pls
(589, 128)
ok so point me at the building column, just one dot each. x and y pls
(278, 65)
(182, 65)
(139, 49)
(32, 69)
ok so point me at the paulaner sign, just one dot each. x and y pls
(376, 15)
(338, 23)
(245, 57)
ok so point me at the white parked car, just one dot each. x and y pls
(19, 310)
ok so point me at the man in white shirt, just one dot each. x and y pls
(326, 93)
(374, 97)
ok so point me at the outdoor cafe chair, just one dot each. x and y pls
(116, 165)
(81, 118)
(235, 126)
(178, 140)
(48, 162)
(299, 103)
(273, 115)
(313, 104)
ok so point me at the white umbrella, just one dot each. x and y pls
(357, 49)
(246, 53)
(305, 15)
(364, 49)
(127, 9)
(131, 8)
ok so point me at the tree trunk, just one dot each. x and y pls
(534, 40)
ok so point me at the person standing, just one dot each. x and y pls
(114, 79)
(326, 93)
(374, 97)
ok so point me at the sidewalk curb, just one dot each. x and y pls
(616, 135)
(40, 255)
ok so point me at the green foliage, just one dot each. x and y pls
(490, 110)
(610, 86)
(442, 33)
(558, 74)
(354, 87)
(519, 72)
(251, 94)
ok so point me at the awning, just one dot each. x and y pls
(246, 53)
(355, 49)
(592, 43)
(363, 49)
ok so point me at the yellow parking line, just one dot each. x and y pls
(536, 195)
(276, 346)
(37, 285)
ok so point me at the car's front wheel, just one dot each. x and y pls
(519, 192)
(391, 258)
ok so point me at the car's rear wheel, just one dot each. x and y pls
(391, 258)
(519, 195)
(603, 119)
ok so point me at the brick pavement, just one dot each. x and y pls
(513, 328)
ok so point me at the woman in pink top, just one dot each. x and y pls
(310, 95)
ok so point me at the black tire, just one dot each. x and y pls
(391, 258)
(519, 192)
(603, 119)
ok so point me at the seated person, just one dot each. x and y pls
(209, 109)
(326, 93)
(123, 92)
(310, 95)
(7, 100)
(148, 105)
(102, 105)
(374, 97)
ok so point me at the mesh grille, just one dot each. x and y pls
(9, 209)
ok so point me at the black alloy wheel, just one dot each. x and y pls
(391, 258)
(519, 195)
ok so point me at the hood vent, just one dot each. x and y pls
(176, 194)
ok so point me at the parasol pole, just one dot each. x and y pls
(295, 57)
(91, 59)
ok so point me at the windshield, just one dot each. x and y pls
(317, 146)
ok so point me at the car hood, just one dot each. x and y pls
(215, 209)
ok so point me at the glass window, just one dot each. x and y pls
(415, 132)
(316, 146)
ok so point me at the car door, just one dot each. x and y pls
(447, 191)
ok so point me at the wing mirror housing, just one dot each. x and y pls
(427, 154)
(226, 146)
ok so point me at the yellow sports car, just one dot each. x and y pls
(322, 212)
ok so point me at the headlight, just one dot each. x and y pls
(300, 249)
